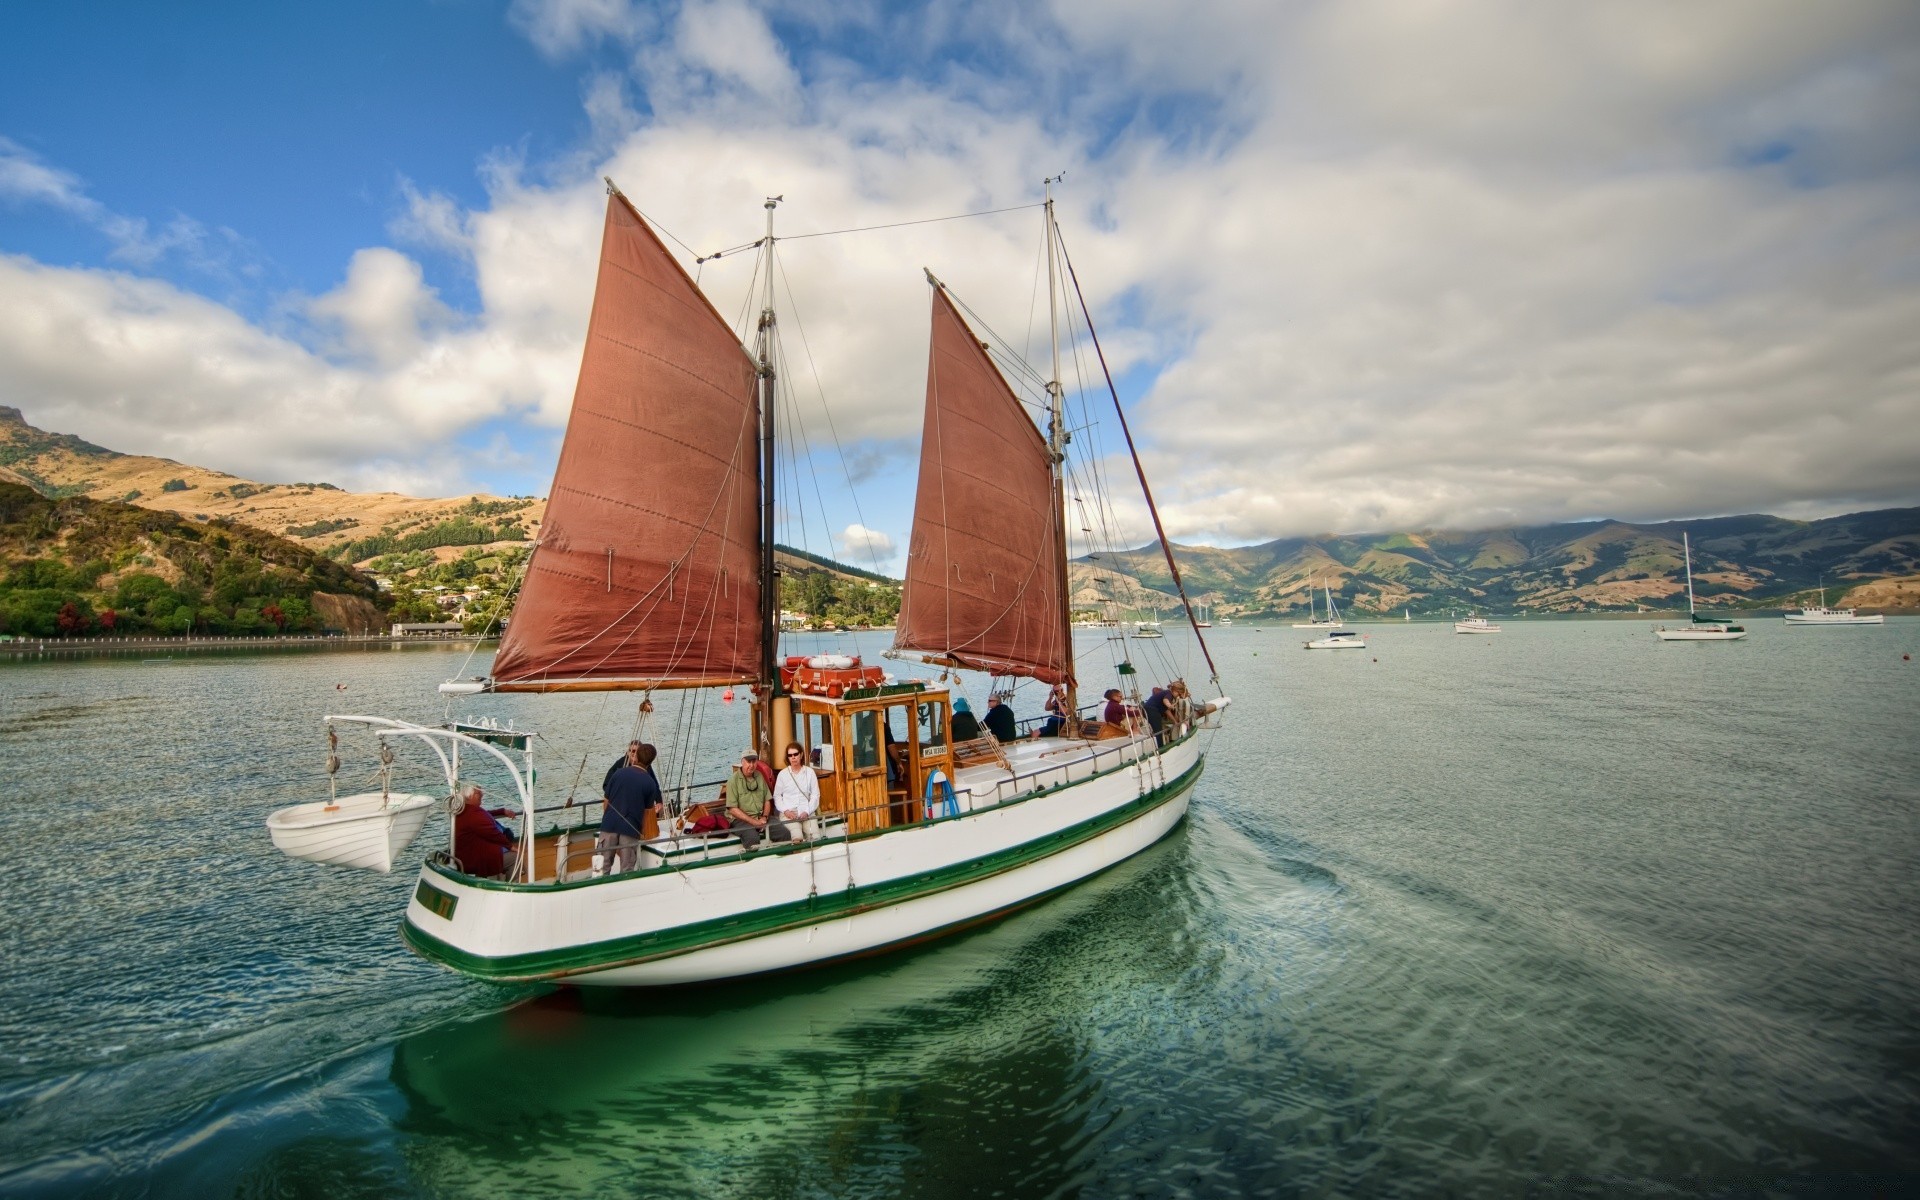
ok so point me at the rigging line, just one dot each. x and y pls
(794, 237)
(662, 228)
(832, 429)
(1173, 566)
(803, 439)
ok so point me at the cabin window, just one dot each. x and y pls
(866, 740)
(818, 732)
(933, 728)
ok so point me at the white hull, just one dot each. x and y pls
(1699, 635)
(781, 909)
(1317, 625)
(1831, 616)
(367, 831)
(1337, 643)
(1475, 625)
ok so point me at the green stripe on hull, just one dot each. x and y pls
(684, 939)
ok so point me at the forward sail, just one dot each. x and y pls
(985, 575)
(647, 569)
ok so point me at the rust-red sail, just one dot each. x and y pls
(647, 568)
(984, 567)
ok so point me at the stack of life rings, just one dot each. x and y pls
(829, 675)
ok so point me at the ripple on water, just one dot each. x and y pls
(1560, 909)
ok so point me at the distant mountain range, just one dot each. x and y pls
(1869, 560)
(352, 526)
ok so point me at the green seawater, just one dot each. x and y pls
(1561, 909)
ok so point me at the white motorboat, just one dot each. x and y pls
(1475, 625)
(1820, 614)
(1703, 629)
(1339, 639)
(917, 835)
(368, 831)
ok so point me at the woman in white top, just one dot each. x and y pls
(796, 796)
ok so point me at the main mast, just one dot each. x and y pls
(769, 582)
(1057, 439)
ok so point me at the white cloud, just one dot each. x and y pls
(384, 310)
(26, 180)
(1384, 264)
(859, 546)
(563, 27)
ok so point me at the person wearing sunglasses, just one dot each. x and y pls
(796, 796)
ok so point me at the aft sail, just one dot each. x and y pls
(985, 567)
(647, 568)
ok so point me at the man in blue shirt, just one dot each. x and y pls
(1156, 710)
(632, 792)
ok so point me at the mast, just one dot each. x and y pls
(1057, 439)
(769, 582)
(1687, 548)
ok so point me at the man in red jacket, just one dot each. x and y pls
(483, 846)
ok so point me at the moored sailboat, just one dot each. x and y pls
(662, 580)
(1703, 629)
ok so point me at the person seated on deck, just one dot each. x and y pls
(1179, 707)
(749, 799)
(481, 845)
(966, 726)
(633, 795)
(1056, 713)
(796, 797)
(1115, 716)
(1155, 710)
(999, 720)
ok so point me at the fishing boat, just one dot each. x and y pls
(1314, 620)
(653, 575)
(1339, 639)
(1703, 629)
(1820, 614)
(1475, 624)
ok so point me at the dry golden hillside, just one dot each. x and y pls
(317, 515)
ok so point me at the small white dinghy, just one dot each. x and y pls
(369, 830)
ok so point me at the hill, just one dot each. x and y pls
(1868, 559)
(352, 526)
(76, 566)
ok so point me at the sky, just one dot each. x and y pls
(1359, 265)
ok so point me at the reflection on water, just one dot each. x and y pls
(1566, 909)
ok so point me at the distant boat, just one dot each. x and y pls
(1703, 629)
(1203, 616)
(1820, 614)
(1313, 620)
(1409, 615)
(1475, 625)
(1339, 639)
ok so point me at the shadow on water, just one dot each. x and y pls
(957, 1068)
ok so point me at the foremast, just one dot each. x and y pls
(1057, 439)
(774, 712)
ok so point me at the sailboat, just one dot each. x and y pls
(1149, 628)
(1203, 619)
(1703, 629)
(1336, 637)
(1820, 614)
(1313, 620)
(654, 573)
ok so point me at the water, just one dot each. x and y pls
(1563, 908)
